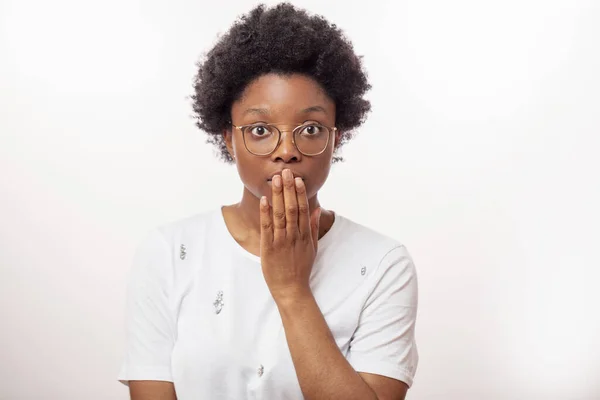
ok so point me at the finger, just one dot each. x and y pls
(315, 219)
(291, 204)
(278, 208)
(266, 224)
(303, 209)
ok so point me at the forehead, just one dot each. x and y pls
(283, 94)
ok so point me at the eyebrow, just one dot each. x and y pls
(264, 111)
(313, 109)
(260, 111)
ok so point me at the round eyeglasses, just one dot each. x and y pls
(262, 139)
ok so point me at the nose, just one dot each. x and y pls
(286, 151)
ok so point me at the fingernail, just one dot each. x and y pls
(298, 182)
(277, 181)
(263, 201)
(287, 174)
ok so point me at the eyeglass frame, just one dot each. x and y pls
(331, 129)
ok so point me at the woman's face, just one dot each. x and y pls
(285, 101)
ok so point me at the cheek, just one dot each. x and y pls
(247, 174)
(318, 179)
(251, 176)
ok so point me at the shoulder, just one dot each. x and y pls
(168, 244)
(184, 229)
(172, 239)
(373, 248)
(357, 237)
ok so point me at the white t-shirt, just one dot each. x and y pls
(200, 315)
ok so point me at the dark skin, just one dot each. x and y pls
(281, 221)
(283, 229)
(268, 99)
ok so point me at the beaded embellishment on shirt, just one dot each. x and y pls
(182, 252)
(218, 303)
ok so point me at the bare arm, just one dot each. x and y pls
(152, 390)
(289, 241)
(385, 388)
(323, 371)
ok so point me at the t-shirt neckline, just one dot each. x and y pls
(323, 242)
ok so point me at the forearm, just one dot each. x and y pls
(152, 390)
(322, 370)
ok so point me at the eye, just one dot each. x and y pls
(312, 130)
(259, 130)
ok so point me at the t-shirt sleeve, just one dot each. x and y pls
(384, 341)
(150, 323)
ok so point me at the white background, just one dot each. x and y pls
(481, 155)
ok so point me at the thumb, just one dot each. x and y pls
(314, 226)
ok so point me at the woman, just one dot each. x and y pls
(274, 297)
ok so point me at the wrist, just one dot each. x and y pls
(292, 297)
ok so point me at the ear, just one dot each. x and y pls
(338, 138)
(228, 137)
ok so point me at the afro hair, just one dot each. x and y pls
(283, 40)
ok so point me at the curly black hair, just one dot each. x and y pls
(283, 40)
